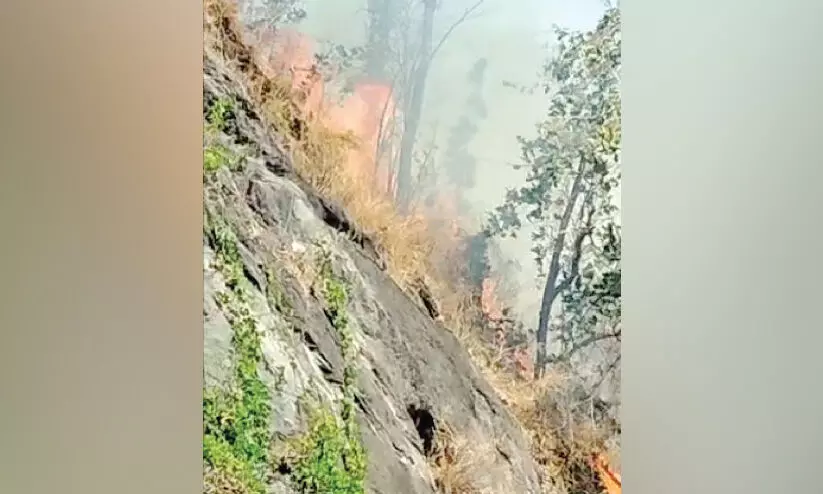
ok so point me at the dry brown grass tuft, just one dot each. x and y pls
(321, 156)
(563, 432)
(216, 481)
(460, 466)
(564, 435)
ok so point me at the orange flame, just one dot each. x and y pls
(367, 112)
(288, 52)
(611, 480)
(489, 302)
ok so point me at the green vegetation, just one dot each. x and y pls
(216, 155)
(236, 419)
(219, 114)
(331, 457)
(330, 460)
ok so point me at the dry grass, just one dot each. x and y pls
(220, 482)
(460, 465)
(300, 261)
(562, 432)
(562, 438)
(321, 155)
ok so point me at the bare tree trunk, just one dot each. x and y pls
(414, 109)
(552, 289)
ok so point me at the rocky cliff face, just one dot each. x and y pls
(389, 357)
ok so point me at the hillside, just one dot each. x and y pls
(324, 372)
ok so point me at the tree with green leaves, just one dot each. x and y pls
(571, 193)
(271, 13)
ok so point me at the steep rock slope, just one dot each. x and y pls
(284, 233)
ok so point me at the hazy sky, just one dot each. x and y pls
(342, 20)
(573, 14)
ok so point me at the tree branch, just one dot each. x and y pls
(603, 376)
(587, 342)
(549, 291)
(577, 249)
(454, 26)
